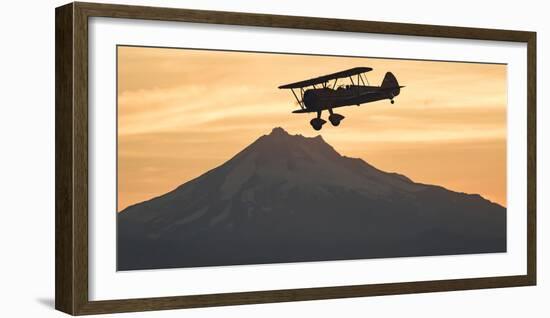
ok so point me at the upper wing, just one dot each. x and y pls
(326, 78)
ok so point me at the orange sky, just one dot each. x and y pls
(183, 112)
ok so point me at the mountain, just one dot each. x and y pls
(289, 198)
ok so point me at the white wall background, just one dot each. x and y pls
(27, 159)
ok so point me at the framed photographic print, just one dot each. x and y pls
(218, 158)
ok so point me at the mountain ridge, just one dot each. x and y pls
(279, 131)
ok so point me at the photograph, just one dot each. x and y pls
(229, 158)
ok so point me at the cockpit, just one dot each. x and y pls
(343, 86)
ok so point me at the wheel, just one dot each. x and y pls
(317, 123)
(392, 101)
(316, 126)
(335, 119)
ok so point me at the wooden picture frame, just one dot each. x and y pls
(71, 124)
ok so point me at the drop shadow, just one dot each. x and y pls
(47, 302)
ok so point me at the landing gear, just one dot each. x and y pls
(317, 123)
(335, 119)
(391, 97)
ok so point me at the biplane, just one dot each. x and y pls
(318, 94)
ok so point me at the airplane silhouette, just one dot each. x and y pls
(327, 97)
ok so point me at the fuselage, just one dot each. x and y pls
(317, 99)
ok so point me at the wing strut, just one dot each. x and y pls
(300, 102)
(362, 81)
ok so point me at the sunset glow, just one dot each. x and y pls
(183, 112)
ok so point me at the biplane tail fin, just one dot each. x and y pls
(389, 81)
(391, 86)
